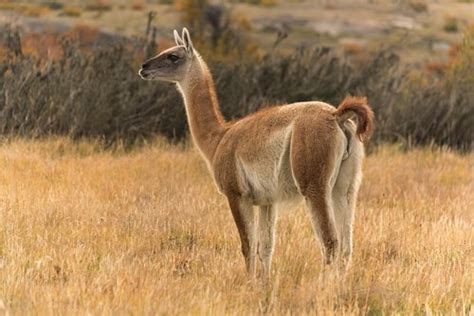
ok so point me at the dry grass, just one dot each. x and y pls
(144, 232)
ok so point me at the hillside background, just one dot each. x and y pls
(420, 31)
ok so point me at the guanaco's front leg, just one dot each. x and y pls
(244, 217)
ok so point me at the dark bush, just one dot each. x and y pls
(99, 94)
(53, 5)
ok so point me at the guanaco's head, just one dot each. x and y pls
(171, 64)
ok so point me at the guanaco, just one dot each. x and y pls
(274, 158)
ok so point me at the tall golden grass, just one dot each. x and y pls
(86, 230)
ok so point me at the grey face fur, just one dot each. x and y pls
(171, 64)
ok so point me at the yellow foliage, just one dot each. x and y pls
(25, 9)
(269, 3)
(84, 230)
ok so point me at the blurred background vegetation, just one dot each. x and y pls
(70, 67)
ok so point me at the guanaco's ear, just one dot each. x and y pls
(187, 41)
(177, 39)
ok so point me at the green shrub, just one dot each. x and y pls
(71, 12)
(53, 5)
(450, 25)
(418, 6)
(100, 6)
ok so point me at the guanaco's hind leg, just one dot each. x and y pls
(266, 237)
(244, 217)
(345, 196)
(321, 213)
(317, 147)
(344, 217)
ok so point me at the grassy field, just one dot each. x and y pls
(145, 232)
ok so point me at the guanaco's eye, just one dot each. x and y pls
(173, 57)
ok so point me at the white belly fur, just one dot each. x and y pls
(268, 179)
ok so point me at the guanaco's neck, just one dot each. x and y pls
(202, 108)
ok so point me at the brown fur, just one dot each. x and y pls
(203, 111)
(363, 112)
(275, 157)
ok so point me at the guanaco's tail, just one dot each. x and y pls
(359, 107)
